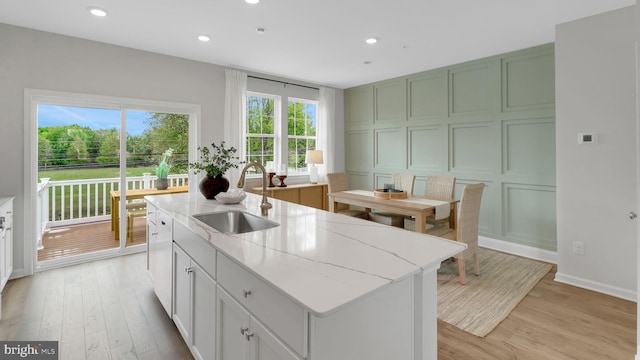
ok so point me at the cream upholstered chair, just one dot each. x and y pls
(339, 182)
(467, 227)
(436, 187)
(439, 187)
(401, 182)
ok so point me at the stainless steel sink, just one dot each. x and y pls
(235, 222)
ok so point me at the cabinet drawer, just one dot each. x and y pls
(284, 317)
(198, 248)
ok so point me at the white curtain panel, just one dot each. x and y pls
(326, 131)
(235, 107)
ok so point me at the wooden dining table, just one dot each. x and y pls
(416, 206)
(136, 194)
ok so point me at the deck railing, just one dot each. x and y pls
(72, 202)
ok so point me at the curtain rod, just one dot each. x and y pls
(283, 82)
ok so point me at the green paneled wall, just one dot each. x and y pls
(491, 120)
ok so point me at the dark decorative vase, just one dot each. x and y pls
(210, 187)
(162, 184)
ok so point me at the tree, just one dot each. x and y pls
(169, 131)
(109, 148)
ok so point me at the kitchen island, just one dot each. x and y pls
(318, 286)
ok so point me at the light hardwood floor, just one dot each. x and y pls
(107, 310)
(100, 310)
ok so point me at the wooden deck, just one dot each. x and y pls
(81, 239)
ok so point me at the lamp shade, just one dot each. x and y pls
(314, 157)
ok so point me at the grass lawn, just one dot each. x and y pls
(99, 173)
(81, 174)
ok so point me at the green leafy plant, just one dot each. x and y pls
(165, 165)
(217, 162)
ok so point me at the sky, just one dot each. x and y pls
(55, 115)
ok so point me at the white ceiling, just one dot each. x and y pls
(320, 42)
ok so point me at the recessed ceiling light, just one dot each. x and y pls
(204, 38)
(260, 30)
(252, 2)
(371, 41)
(97, 11)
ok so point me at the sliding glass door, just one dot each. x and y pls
(96, 162)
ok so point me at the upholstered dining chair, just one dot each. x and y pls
(403, 182)
(439, 187)
(436, 187)
(467, 228)
(339, 182)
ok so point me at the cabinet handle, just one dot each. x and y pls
(163, 223)
(248, 334)
(243, 330)
(155, 233)
(246, 293)
(188, 270)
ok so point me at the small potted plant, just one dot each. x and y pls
(163, 169)
(215, 164)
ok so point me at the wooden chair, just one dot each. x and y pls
(436, 187)
(467, 227)
(339, 182)
(401, 182)
(134, 209)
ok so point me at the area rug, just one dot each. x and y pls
(484, 301)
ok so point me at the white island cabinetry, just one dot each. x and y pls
(194, 292)
(320, 286)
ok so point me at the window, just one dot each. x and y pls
(269, 138)
(301, 134)
(260, 128)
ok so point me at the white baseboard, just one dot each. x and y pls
(517, 249)
(596, 286)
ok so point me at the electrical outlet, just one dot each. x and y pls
(578, 247)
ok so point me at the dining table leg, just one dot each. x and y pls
(421, 223)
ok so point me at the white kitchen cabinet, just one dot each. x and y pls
(194, 305)
(6, 243)
(242, 337)
(159, 242)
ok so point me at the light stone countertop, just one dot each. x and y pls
(322, 261)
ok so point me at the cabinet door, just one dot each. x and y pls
(182, 292)
(232, 327)
(204, 314)
(161, 251)
(265, 346)
(3, 259)
(8, 246)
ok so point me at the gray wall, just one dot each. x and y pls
(40, 60)
(490, 120)
(595, 87)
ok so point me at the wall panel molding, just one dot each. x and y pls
(491, 120)
(389, 148)
(528, 80)
(359, 106)
(427, 96)
(390, 101)
(426, 148)
(471, 147)
(527, 144)
(529, 213)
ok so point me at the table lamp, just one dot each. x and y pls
(314, 157)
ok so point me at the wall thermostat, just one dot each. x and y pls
(587, 138)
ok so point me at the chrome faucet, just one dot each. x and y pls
(265, 206)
